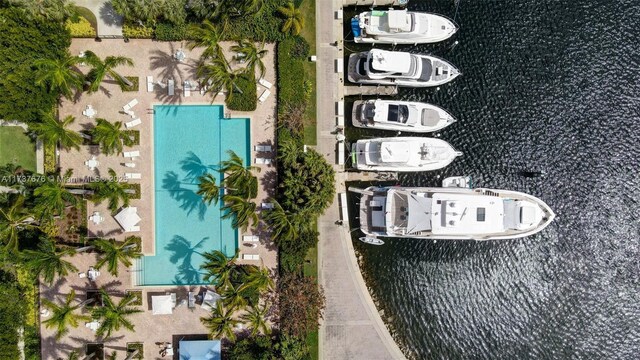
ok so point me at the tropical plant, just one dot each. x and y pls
(55, 10)
(220, 322)
(147, 12)
(111, 136)
(114, 316)
(219, 268)
(239, 179)
(103, 68)
(256, 317)
(219, 75)
(13, 220)
(294, 20)
(242, 210)
(285, 224)
(251, 55)
(301, 304)
(205, 35)
(73, 355)
(54, 131)
(208, 189)
(64, 315)
(59, 76)
(112, 190)
(257, 280)
(114, 253)
(232, 298)
(52, 197)
(48, 261)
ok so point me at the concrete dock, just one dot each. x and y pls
(352, 327)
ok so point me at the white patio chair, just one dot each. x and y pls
(265, 83)
(264, 96)
(133, 176)
(133, 123)
(172, 89)
(149, 83)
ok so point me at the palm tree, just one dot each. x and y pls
(52, 197)
(243, 210)
(113, 316)
(101, 69)
(48, 261)
(111, 136)
(220, 322)
(12, 221)
(233, 298)
(251, 54)
(113, 253)
(219, 75)
(239, 178)
(208, 189)
(206, 35)
(54, 131)
(284, 224)
(257, 280)
(219, 268)
(59, 75)
(113, 190)
(64, 315)
(256, 316)
(73, 355)
(294, 20)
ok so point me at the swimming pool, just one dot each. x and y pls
(189, 140)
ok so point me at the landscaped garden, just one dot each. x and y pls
(17, 148)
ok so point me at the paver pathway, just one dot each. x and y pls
(109, 22)
(352, 327)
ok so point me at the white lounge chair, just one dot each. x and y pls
(210, 299)
(267, 161)
(133, 123)
(130, 105)
(264, 96)
(250, 238)
(149, 83)
(131, 154)
(265, 83)
(172, 89)
(260, 161)
(135, 229)
(266, 148)
(252, 257)
(130, 165)
(267, 206)
(187, 88)
(132, 176)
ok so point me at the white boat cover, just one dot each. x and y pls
(419, 218)
(392, 152)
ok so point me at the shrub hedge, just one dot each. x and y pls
(133, 31)
(291, 76)
(244, 99)
(80, 29)
(170, 32)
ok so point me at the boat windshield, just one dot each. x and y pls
(398, 113)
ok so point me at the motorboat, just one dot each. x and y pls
(382, 67)
(400, 116)
(401, 27)
(458, 181)
(403, 154)
(371, 240)
(450, 213)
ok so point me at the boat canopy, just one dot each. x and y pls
(399, 21)
(388, 61)
(395, 151)
(419, 218)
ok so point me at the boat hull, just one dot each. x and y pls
(359, 120)
(442, 28)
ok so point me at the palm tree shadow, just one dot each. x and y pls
(167, 63)
(269, 182)
(187, 274)
(194, 167)
(55, 346)
(189, 200)
(109, 15)
(183, 249)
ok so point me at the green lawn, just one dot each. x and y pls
(308, 8)
(17, 148)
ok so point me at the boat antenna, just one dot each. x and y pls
(457, 2)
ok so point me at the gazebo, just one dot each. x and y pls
(128, 218)
(163, 304)
(200, 350)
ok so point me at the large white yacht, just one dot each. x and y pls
(451, 213)
(403, 154)
(397, 115)
(383, 67)
(401, 27)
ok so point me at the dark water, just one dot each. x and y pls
(551, 86)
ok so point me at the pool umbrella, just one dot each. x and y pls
(161, 305)
(128, 218)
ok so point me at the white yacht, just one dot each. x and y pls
(403, 154)
(401, 27)
(383, 67)
(451, 213)
(400, 116)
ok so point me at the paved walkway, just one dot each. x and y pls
(109, 22)
(352, 327)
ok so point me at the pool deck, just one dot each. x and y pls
(152, 58)
(156, 59)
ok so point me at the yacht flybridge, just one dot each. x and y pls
(451, 213)
(401, 27)
(383, 67)
(402, 154)
(400, 116)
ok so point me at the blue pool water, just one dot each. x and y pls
(188, 142)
